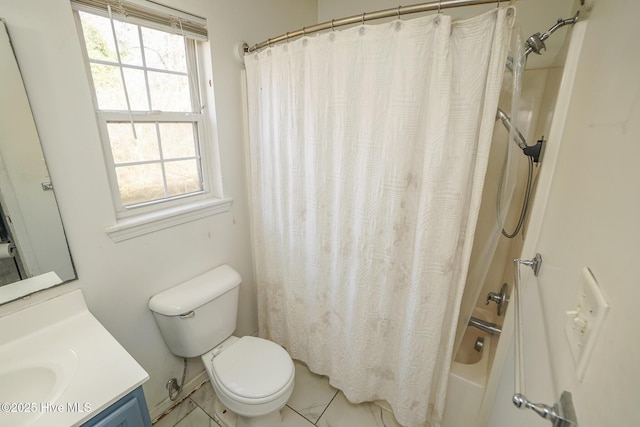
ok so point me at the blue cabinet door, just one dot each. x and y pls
(130, 411)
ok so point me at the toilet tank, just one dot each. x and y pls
(197, 315)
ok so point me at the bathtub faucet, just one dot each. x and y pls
(490, 328)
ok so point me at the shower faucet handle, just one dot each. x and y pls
(499, 298)
(495, 297)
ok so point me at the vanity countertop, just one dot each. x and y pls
(60, 366)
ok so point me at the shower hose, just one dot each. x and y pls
(525, 202)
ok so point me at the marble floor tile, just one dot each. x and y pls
(177, 414)
(197, 418)
(206, 399)
(342, 413)
(291, 418)
(311, 393)
(313, 402)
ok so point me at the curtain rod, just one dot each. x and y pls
(369, 16)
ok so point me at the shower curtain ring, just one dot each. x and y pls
(439, 6)
(304, 31)
(398, 12)
(364, 13)
(332, 29)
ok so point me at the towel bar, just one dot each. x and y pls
(562, 413)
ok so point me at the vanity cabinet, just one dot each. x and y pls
(130, 411)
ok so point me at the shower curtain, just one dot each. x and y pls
(368, 149)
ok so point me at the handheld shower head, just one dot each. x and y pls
(517, 136)
(533, 151)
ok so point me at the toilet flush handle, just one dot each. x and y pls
(188, 315)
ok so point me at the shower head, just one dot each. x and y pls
(517, 136)
(535, 43)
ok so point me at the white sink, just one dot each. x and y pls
(35, 382)
(59, 367)
(33, 377)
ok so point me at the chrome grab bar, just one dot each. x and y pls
(561, 414)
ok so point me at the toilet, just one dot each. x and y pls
(251, 376)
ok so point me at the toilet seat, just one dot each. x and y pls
(253, 371)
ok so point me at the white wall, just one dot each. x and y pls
(591, 221)
(592, 215)
(117, 279)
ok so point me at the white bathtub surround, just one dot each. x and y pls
(368, 150)
(496, 213)
(468, 376)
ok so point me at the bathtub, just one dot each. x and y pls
(468, 377)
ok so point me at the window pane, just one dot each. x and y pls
(137, 89)
(98, 37)
(182, 177)
(177, 140)
(126, 149)
(140, 183)
(169, 92)
(128, 43)
(163, 159)
(109, 89)
(164, 51)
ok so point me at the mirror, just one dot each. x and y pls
(32, 238)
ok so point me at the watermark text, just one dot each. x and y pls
(45, 407)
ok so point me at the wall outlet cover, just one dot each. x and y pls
(585, 320)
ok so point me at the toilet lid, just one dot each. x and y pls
(253, 368)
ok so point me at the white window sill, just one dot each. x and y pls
(129, 228)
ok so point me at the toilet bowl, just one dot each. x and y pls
(251, 376)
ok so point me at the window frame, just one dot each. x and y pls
(167, 211)
(124, 211)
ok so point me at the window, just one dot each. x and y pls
(143, 64)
